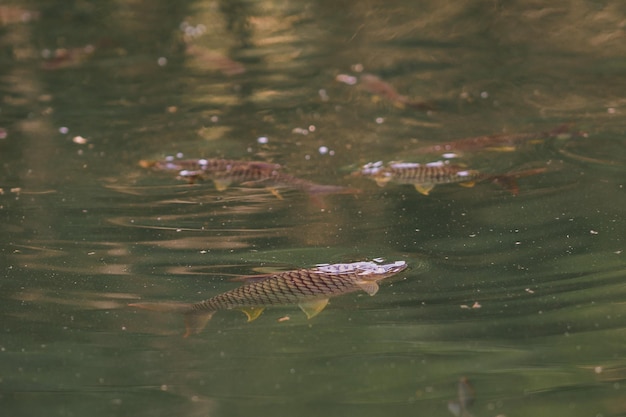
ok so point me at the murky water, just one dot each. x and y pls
(522, 295)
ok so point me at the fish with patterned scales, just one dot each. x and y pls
(424, 177)
(226, 172)
(309, 288)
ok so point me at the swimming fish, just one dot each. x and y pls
(309, 288)
(465, 395)
(224, 172)
(375, 85)
(499, 142)
(424, 177)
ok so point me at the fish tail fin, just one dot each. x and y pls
(509, 181)
(195, 320)
(317, 193)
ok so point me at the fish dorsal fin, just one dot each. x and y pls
(424, 188)
(252, 278)
(468, 184)
(369, 287)
(314, 307)
(253, 313)
(221, 184)
(195, 321)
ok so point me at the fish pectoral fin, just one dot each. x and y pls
(369, 287)
(313, 308)
(195, 321)
(382, 181)
(468, 184)
(274, 192)
(252, 313)
(424, 188)
(221, 185)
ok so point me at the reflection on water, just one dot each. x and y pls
(518, 297)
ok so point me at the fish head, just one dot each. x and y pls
(367, 270)
(376, 171)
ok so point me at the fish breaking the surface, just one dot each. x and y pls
(224, 172)
(424, 177)
(309, 288)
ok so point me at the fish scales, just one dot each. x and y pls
(431, 174)
(310, 289)
(225, 172)
(287, 288)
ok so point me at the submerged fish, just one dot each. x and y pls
(310, 289)
(224, 172)
(424, 177)
(374, 85)
(465, 395)
(498, 142)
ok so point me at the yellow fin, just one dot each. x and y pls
(195, 321)
(313, 308)
(468, 184)
(253, 313)
(424, 188)
(382, 181)
(221, 185)
(274, 192)
(369, 287)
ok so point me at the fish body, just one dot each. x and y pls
(383, 89)
(309, 288)
(224, 172)
(424, 177)
(498, 142)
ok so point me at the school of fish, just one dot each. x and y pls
(311, 288)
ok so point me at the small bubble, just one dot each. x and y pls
(262, 140)
(357, 68)
(346, 79)
(162, 61)
(64, 130)
(380, 120)
(323, 150)
(484, 94)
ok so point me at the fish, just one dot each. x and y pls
(375, 85)
(309, 288)
(465, 399)
(424, 177)
(225, 172)
(499, 142)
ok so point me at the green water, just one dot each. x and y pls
(522, 295)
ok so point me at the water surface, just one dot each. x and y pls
(522, 294)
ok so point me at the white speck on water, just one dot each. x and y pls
(380, 120)
(162, 61)
(64, 130)
(323, 150)
(262, 140)
(484, 94)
